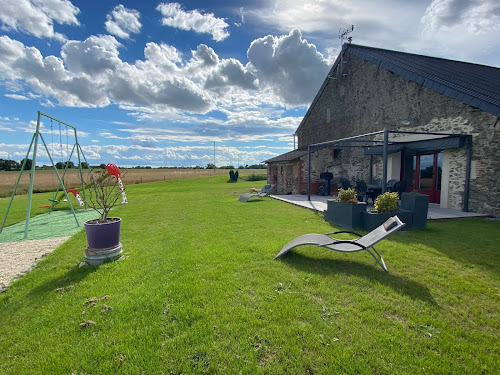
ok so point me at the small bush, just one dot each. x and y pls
(257, 177)
(387, 202)
(233, 175)
(347, 196)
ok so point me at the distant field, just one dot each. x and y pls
(47, 180)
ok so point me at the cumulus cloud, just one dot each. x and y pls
(282, 71)
(95, 55)
(478, 17)
(91, 74)
(175, 16)
(148, 142)
(288, 65)
(46, 76)
(231, 73)
(36, 17)
(123, 21)
(206, 55)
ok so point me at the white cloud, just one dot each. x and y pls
(289, 65)
(36, 17)
(46, 76)
(148, 142)
(17, 97)
(95, 55)
(477, 17)
(175, 16)
(123, 21)
(163, 56)
(231, 72)
(283, 71)
(445, 28)
(242, 22)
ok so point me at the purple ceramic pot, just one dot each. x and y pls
(103, 235)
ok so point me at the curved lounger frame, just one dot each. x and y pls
(264, 192)
(365, 242)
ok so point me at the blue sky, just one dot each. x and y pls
(157, 83)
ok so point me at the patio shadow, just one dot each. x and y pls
(326, 267)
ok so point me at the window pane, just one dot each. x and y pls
(426, 162)
(439, 170)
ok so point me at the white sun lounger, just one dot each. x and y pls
(365, 242)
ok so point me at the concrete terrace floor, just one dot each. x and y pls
(318, 203)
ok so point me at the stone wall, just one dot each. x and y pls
(371, 98)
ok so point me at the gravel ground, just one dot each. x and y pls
(17, 258)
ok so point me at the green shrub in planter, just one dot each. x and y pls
(386, 206)
(387, 202)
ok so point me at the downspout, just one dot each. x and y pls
(371, 170)
(468, 142)
(386, 147)
(309, 172)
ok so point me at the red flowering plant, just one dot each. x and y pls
(347, 196)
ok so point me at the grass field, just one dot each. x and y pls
(46, 180)
(199, 292)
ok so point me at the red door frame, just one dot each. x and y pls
(434, 194)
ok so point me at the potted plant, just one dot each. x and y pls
(385, 206)
(418, 204)
(103, 233)
(345, 210)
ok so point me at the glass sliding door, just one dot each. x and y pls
(425, 174)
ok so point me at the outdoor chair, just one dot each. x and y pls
(398, 187)
(361, 191)
(365, 242)
(264, 192)
(345, 183)
(391, 183)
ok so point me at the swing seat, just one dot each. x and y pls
(53, 200)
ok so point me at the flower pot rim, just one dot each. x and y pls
(88, 222)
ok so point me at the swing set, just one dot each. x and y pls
(34, 145)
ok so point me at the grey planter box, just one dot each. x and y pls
(371, 220)
(346, 215)
(419, 205)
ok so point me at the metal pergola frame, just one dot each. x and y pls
(344, 143)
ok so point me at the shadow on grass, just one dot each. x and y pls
(61, 283)
(464, 240)
(327, 267)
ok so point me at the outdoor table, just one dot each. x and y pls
(375, 189)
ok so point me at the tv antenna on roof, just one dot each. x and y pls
(343, 33)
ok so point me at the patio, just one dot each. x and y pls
(318, 204)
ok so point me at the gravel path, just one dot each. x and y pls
(17, 258)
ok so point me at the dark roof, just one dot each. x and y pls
(289, 156)
(472, 84)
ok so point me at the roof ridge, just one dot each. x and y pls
(347, 45)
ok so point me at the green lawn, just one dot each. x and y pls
(200, 293)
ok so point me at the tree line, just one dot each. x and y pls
(12, 165)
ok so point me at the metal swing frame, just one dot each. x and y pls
(34, 145)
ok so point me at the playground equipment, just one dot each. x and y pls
(113, 170)
(61, 198)
(34, 145)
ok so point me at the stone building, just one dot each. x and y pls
(370, 90)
